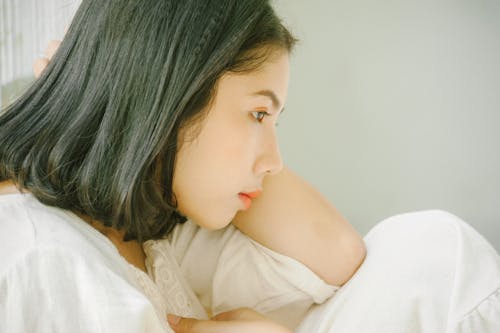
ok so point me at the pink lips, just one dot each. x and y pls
(246, 198)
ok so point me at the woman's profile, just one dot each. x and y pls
(140, 177)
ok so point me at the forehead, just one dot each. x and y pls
(268, 85)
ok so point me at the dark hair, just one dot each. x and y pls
(98, 132)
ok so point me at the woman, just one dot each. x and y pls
(420, 274)
(150, 113)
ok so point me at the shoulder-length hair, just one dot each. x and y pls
(98, 132)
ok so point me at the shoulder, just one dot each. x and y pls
(46, 251)
(17, 234)
(28, 227)
(89, 296)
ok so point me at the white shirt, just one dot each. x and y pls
(58, 274)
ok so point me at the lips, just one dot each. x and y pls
(247, 197)
(252, 195)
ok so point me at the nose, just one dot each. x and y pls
(269, 161)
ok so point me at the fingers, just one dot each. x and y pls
(190, 325)
(39, 65)
(52, 48)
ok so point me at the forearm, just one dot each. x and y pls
(293, 218)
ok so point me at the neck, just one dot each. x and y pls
(130, 250)
(8, 187)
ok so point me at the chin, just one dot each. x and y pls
(213, 223)
(211, 218)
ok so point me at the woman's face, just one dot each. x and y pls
(236, 147)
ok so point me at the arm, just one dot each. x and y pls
(294, 219)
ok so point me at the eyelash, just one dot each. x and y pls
(266, 114)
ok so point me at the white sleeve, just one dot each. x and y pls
(50, 289)
(240, 272)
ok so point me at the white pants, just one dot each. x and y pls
(425, 271)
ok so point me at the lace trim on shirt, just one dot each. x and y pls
(164, 284)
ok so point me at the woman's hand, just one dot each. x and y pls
(40, 63)
(242, 320)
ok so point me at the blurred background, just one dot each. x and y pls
(393, 106)
(26, 27)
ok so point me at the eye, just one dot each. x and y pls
(259, 115)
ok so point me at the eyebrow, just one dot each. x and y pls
(271, 95)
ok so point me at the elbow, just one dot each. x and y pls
(357, 255)
(348, 261)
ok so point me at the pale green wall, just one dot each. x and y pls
(393, 106)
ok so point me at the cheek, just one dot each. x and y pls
(204, 194)
(208, 175)
(225, 144)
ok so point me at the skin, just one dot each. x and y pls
(235, 151)
(243, 320)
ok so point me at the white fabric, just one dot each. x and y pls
(58, 274)
(425, 272)
(228, 270)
